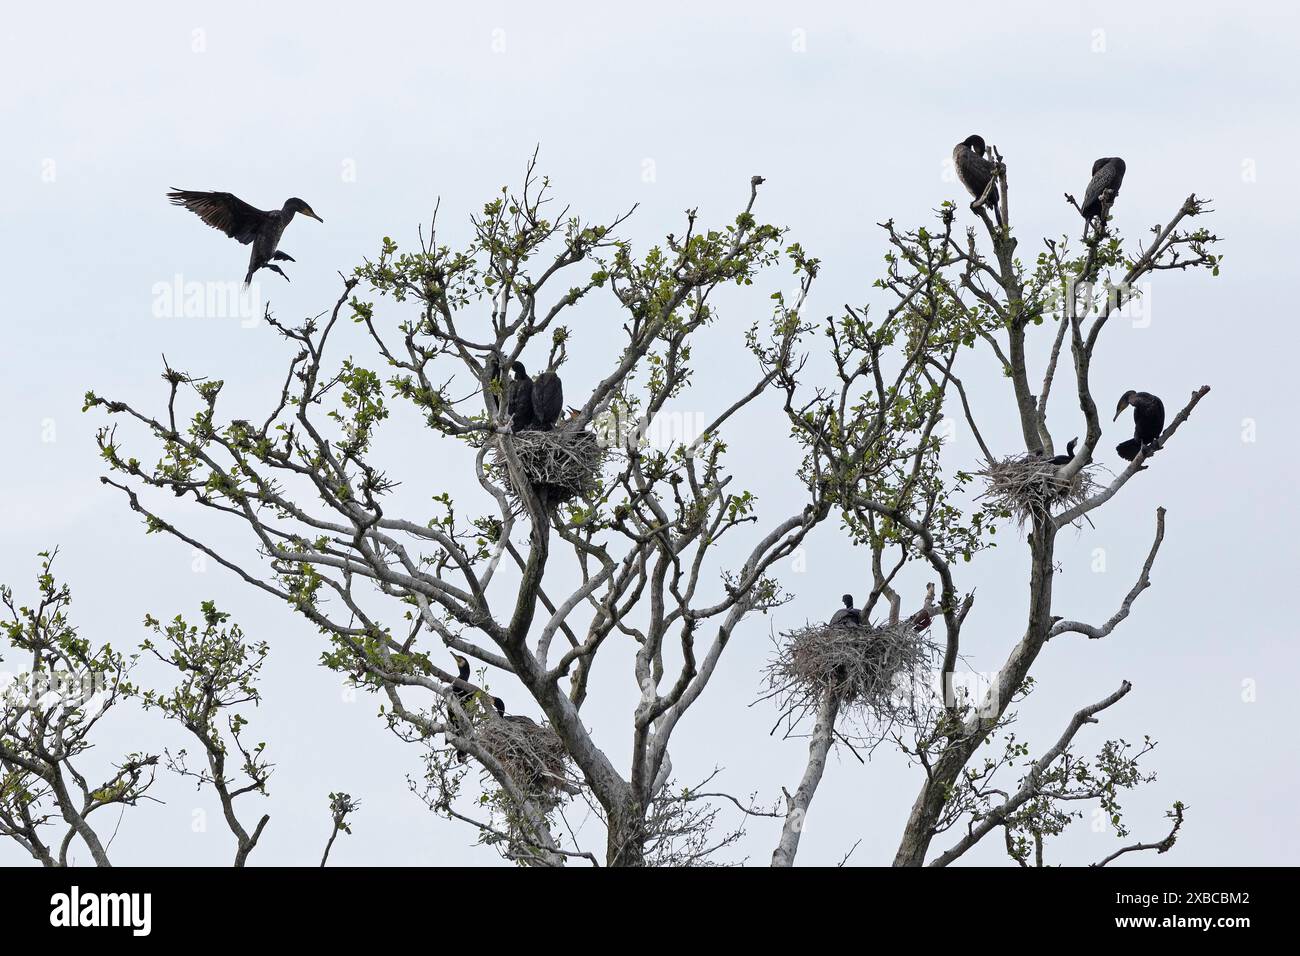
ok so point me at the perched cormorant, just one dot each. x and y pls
(847, 614)
(1069, 453)
(464, 692)
(1148, 423)
(1107, 176)
(245, 223)
(975, 171)
(461, 686)
(521, 399)
(548, 400)
(921, 619)
(500, 706)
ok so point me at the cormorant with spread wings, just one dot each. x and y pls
(245, 223)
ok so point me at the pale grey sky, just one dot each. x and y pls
(372, 111)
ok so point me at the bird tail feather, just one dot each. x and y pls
(1128, 450)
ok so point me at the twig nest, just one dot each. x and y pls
(561, 464)
(531, 753)
(1025, 485)
(862, 665)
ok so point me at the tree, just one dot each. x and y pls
(342, 806)
(47, 714)
(217, 670)
(651, 543)
(948, 290)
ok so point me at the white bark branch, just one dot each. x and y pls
(819, 746)
(1143, 582)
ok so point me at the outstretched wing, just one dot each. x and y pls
(223, 211)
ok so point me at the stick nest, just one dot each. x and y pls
(862, 665)
(561, 464)
(532, 754)
(1025, 485)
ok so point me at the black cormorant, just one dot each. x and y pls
(1107, 176)
(500, 706)
(975, 171)
(1069, 453)
(1148, 423)
(461, 686)
(245, 223)
(548, 400)
(521, 399)
(847, 614)
(464, 692)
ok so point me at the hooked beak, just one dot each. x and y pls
(308, 212)
(1122, 405)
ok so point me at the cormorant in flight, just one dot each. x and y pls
(975, 171)
(521, 399)
(1107, 176)
(1148, 423)
(1069, 453)
(548, 400)
(245, 223)
(846, 615)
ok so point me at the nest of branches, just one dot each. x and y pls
(1025, 485)
(561, 464)
(866, 667)
(531, 754)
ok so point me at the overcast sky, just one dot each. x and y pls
(371, 112)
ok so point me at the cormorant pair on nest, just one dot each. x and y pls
(535, 404)
(465, 692)
(850, 616)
